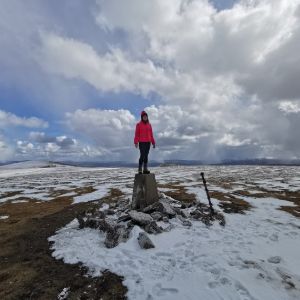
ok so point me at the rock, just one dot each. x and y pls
(81, 220)
(184, 221)
(130, 224)
(274, 259)
(181, 212)
(144, 241)
(169, 228)
(177, 210)
(167, 209)
(206, 219)
(113, 205)
(90, 218)
(140, 218)
(92, 222)
(110, 211)
(106, 225)
(155, 207)
(153, 228)
(157, 216)
(186, 205)
(163, 207)
(196, 214)
(199, 215)
(187, 223)
(124, 218)
(116, 235)
(165, 219)
(220, 218)
(185, 214)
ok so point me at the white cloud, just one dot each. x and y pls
(230, 140)
(110, 133)
(110, 72)
(24, 147)
(60, 141)
(10, 119)
(6, 150)
(219, 76)
(289, 107)
(192, 35)
(178, 133)
(41, 146)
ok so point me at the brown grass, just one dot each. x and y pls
(27, 268)
(178, 192)
(231, 204)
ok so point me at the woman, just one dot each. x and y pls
(143, 138)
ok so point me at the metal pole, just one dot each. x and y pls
(207, 194)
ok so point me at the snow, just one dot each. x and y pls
(101, 191)
(42, 167)
(28, 165)
(19, 201)
(63, 294)
(40, 183)
(200, 262)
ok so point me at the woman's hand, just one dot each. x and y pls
(136, 145)
(153, 146)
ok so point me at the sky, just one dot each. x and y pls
(219, 79)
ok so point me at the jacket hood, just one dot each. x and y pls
(142, 114)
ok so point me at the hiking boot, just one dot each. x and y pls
(146, 171)
(140, 169)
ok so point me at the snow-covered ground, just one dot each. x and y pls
(255, 256)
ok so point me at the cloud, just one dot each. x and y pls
(10, 119)
(178, 133)
(255, 42)
(289, 107)
(109, 131)
(6, 150)
(110, 72)
(22, 79)
(225, 83)
(43, 146)
(60, 141)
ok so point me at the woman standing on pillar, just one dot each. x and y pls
(143, 139)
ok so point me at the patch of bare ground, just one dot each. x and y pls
(9, 194)
(223, 184)
(27, 269)
(292, 196)
(113, 196)
(178, 192)
(230, 203)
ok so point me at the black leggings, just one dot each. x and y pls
(144, 151)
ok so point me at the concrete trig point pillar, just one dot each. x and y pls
(144, 191)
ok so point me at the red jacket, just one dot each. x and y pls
(143, 133)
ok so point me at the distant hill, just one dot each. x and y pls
(173, 162)
(29, 164)
(180, 162)
(263, 162)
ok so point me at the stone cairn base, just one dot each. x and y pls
(148, 209)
